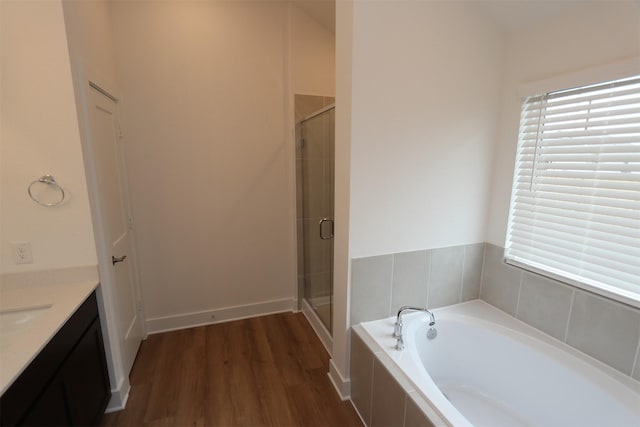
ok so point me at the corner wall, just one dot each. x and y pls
(413, 153)
(596, 33)
(426, 90)
(210, 159)
(339, 363)
(591, 35)
(39, 134)
(312, 55)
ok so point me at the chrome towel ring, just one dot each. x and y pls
(49, 180)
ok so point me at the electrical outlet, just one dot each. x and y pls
(22, 252)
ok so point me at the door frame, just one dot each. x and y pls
(119, 379)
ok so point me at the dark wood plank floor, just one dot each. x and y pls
(263, 371)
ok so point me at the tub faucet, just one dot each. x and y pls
(397, 331)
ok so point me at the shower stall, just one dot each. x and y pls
(315, 180)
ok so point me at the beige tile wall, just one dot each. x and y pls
(433, 278)
(602, 328)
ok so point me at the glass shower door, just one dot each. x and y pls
(317, 205)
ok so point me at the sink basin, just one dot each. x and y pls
(13, 322)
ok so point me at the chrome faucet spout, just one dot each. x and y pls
(397, 330)
(432, 318)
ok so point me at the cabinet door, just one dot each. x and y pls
(49, 409)
(85, 379)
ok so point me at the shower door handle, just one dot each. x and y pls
(320, 224)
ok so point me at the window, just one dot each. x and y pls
(575, 204)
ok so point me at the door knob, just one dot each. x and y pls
(116, 260)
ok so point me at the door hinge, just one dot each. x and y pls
(130, 223)
(120, 134)
(301, 143)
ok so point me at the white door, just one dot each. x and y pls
(107, 156)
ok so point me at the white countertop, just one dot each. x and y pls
(64, 290)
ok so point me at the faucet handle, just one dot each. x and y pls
(400, 343)
(397, 330)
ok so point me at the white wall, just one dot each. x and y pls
(90, 40)
(426, 85)
(210, 161)
(40, 136)
(312, 55)
(339, 368)
(594, 34)
(420, 87)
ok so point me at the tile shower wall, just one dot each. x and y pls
(433, 278)
(604, 329)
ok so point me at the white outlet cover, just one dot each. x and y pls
(22, 252)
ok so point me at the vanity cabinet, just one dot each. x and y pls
(67, 383)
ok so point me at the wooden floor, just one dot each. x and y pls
(264, 371)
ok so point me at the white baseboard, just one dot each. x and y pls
(320, 300)
(342, 386)
(217, 315)
(318, 327)
(119, 397)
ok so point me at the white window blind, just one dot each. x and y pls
(575, 206)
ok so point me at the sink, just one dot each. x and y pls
(15, 321)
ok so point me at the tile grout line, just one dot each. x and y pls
(635, 361)
(426, 304)
(484, 259)
(519, 293)
(566, 329)
(464, 263)
(393, 264)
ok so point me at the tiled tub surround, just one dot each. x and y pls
(473, 373)
(380, 391)
(433, 278)
(604, 329)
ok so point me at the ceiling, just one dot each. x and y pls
(323, 11)
(511, 15)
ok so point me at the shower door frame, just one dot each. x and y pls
(323, 329)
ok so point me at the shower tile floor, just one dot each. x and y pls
(263, 371)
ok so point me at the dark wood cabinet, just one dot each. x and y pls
(84, 379)
(68, 382)
(49, 409)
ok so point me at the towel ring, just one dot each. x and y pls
(49, 180)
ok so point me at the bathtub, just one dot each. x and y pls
(486, 368)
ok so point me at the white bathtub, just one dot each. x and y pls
(486, 368)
